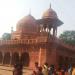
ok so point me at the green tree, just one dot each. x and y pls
(68, 37)
(6, 36)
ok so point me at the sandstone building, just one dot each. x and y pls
(35, 41)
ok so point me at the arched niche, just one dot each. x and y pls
(15, 58)
(1, 57)
(25, 59)
(61, 61)
(6, 58)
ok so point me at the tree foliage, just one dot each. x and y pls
(6, 36)
(68, 37)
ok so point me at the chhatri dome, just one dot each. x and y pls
(27, 24)
(49, 13)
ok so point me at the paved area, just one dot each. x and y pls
(8, 70)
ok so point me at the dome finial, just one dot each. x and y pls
(50, 5)
(11, 29)
(30, 11)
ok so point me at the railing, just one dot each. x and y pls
(37, 40)
(22, 41)
(66, 45)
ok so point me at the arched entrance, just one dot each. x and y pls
(6, 58)
(15, 58)
(25, 59)
(1, 57)
(61, 61)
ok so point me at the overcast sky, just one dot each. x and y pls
(11, 11)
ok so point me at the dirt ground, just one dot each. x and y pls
(8, 70)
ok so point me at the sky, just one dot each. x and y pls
(11, 11)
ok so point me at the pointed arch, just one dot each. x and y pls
(15, 58)
(6, 58)
(25, 59)
(1, 57)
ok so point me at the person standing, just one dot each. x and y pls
(70, 70)
(73, 70)
(52, 70)
(18, 69)
(45, 69)
(36, 69)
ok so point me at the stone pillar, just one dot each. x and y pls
(54, 31)
(10, 58)
(3, 57)
(42, 56)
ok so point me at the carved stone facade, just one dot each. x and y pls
(36, 41)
